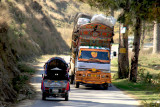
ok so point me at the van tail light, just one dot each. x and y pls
(68, 87)
(46, 88)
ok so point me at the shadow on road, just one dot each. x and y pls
(81, 103)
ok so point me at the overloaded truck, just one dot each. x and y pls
(91, 50)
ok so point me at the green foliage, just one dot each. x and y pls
(144, 78)
(115, 76)
(152, 104)
(23, 25)
(147, 9)
(147, 93)
(19, 33)
(19, 81)
(107, 5)
(149, 78)
(15, 32)
(147, 86)
(9, 0)
(25, 68)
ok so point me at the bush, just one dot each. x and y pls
(152, 104)
(25, 68)
(115, 76)
(19, 81)
(144, 78)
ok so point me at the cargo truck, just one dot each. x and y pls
(91, 49)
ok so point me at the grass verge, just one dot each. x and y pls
(147, 87)
(145, 93)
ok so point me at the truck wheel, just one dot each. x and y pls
(43, 96)
(105, 86)
(66, 97)
(72, 79)
(77, 85)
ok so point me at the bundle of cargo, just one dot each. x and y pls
(80, 19)
(92, 31)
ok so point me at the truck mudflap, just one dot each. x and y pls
(89, 77)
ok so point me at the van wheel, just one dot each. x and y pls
(43, 96)
(77, 85)
(66, 97)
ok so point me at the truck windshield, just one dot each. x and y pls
(91, 55)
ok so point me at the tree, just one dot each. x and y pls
(141, 10)
(156, 34)
(123, 61)
(143, 33)
(156, 37)
(153, 16)
(136, 49)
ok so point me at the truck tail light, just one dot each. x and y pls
(46, 88)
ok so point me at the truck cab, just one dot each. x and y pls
(93, 66)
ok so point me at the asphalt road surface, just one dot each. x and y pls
(81, 97)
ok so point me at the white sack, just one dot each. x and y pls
(100, 18)
(82, 21)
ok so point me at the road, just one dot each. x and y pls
(81, 97)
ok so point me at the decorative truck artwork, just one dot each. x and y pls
(91, 49)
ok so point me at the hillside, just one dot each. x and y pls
(30, 28)
(62, 12)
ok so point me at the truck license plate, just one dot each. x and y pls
(93, 75)
(55, 90)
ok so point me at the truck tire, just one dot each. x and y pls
(43, 96)
(105, 86)
(66, 97)
(76, 84)
(72, 79)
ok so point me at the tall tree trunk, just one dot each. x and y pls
(156, 38)
(136, 49)
(123, 61)
(112, 14)
(143, 34)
